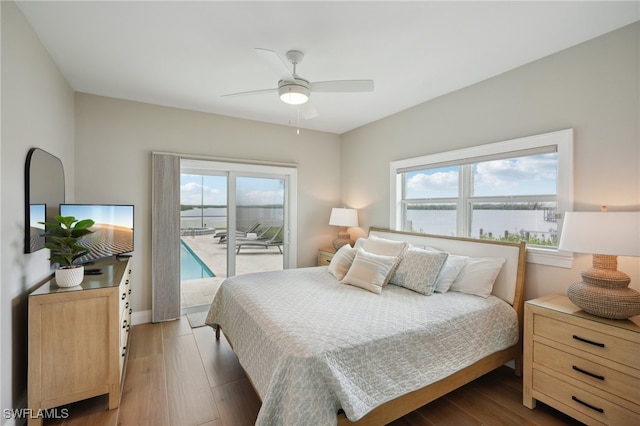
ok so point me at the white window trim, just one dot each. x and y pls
(562, 139)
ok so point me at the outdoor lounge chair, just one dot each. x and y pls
(223, 234)
(260, 236)
(274, 241)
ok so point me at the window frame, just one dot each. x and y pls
(562, 140)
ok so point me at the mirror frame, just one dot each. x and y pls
(42, 173)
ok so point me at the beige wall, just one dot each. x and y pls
(592, 88)
(115, 138)
(37, 111)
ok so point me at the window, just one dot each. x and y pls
(509, 191)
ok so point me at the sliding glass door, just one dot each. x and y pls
(234, 219)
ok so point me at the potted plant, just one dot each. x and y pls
(62, 239)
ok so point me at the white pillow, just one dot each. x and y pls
(478, 275)
(449, 272)
(369, 271)
(384, 247)
(419, 269)
(359, 242)
(341, 261)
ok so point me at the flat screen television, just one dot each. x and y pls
(112, 231)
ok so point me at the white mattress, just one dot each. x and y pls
(312, 345)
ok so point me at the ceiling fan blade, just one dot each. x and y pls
(308, 111)
(276, 62)
(250, 92)
(342, 86)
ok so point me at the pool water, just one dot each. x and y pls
(191, 267)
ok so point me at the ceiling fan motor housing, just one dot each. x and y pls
(294, 92)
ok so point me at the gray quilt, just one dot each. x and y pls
(312, 345)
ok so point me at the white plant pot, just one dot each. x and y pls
(69, 277)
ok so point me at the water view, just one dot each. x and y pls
(536, 226)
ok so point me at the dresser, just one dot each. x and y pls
(583, 365)
(325, 255)
(78, 338)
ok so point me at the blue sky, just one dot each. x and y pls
(531, 175)
(195, 189)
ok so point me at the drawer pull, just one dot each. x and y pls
(124, 296)
(124, 350)
(601, 345)
(596, 376)
(124, 324)
(599, 410)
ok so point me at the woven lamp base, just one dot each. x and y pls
(604, 291)
(343, 239)
(613, 303)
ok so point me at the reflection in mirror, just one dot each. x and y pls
(44, 192)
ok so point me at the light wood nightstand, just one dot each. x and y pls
(583, 365)
(325, 255)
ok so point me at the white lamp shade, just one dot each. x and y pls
(343, 217)
(610, 233)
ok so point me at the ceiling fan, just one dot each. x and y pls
(295, 90)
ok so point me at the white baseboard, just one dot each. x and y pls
(140, 317)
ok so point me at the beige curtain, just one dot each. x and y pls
(165, 237)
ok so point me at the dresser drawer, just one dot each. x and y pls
(563, 394)
(588, 340)
(622, 382)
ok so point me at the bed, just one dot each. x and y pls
(319, 351)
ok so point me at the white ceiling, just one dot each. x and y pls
(187, 54)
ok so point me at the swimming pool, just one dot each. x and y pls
(191, 267)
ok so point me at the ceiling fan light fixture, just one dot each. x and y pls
(293, 93)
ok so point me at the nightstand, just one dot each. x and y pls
(583, 365)
(325, 255)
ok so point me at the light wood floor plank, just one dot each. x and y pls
(220, 362)
(442, 412)
(144, 397)
(190, 398)
(238, 402)
(178, 327)
(483, 408)
(145, 340)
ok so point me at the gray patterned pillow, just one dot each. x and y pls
(419, 269)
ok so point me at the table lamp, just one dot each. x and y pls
(343, 218)
(603, 290)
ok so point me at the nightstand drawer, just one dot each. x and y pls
(325, 256)
(565, 395)
(588, 340)
(625, 384)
